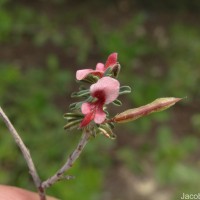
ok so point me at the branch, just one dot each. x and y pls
(26, 154)
(59, 175)
(69, 163)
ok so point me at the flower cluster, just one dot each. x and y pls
(100, 68)
(91, 112)
(104, 89)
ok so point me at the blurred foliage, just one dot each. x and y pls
(183, 57)
(163, 62)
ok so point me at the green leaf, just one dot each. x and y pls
(117, 102)
(113, 71)
(73, 116)
(81, 93)
(75, 106)
(107, 131)
(124, 90)
(73, 124)
(108, 72)
(90, 79)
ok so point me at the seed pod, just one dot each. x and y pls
(155, 106)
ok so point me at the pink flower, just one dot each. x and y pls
(100, 68)
(105, 90)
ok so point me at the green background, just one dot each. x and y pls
(44, 42)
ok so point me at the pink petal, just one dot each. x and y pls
(108, 86)
(112, 59)
(86, 108)
(100, 67)
(98, 73)
(87, 119)
(100, 116)
(81, 74)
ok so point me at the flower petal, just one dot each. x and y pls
(86, 108)
(81, 74)
(109, 88)
(100, 116)
(100, 67)
(97, 73)
(112, 59)
(87, 119)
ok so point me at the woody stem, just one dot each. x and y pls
(25, 153)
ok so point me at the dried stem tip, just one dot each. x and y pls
(155, 106)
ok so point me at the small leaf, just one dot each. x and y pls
(72, 105)
(117, 102)
(111, 125)
(113, 70)
(124, 90)
(155, 106)
(81, 93)
(75, 106)
(72, 124)
(108, 72)
(90, 99)
(107, 131)
(90, 79)
(73, 116)
(82, 87)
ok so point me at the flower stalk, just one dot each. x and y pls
(70, 161)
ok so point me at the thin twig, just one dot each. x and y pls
(67, 177)
(41, 186)
(69, 163)
(26, 154)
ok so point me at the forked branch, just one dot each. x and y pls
(26, 154)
